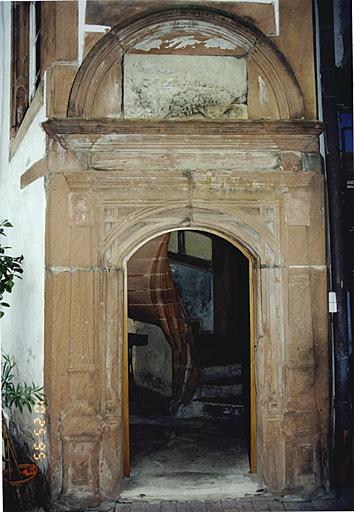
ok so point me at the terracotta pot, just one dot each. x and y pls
(24, 493)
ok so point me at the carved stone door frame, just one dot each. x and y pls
(104, 202)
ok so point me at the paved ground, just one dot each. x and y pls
(263, 503)
(234, 505)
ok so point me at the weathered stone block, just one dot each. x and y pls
(298, 246)
(299, 347)
(59, 32)
(59, 82)
(58, 227)
(103, 12)
(91, 38)
(311, 162)
(109, 94)
(292, 161)
(180, 87)
(80, 468)
(297, 208)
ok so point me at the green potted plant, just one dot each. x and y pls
(21, 480)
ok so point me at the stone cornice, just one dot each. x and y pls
(70, 126)
(84, 134)
(187, 146)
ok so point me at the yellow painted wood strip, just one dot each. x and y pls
(126, 434)
(253, 404)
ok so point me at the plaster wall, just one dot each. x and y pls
(22, 326)
(153, 362)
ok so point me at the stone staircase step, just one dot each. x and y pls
(211, 409)
(220, 390)
(229, 400)
(224, 381)
(216, 374)
(221, 410)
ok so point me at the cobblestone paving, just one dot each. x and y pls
(254, 504)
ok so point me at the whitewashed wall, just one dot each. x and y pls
(22, 326)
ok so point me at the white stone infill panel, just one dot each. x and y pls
(184, 86)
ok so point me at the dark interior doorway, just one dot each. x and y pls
(189, 368)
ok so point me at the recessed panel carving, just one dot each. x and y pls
(79, 208)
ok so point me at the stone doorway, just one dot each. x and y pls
(115, 181)
(189, 320)
(111, 218)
